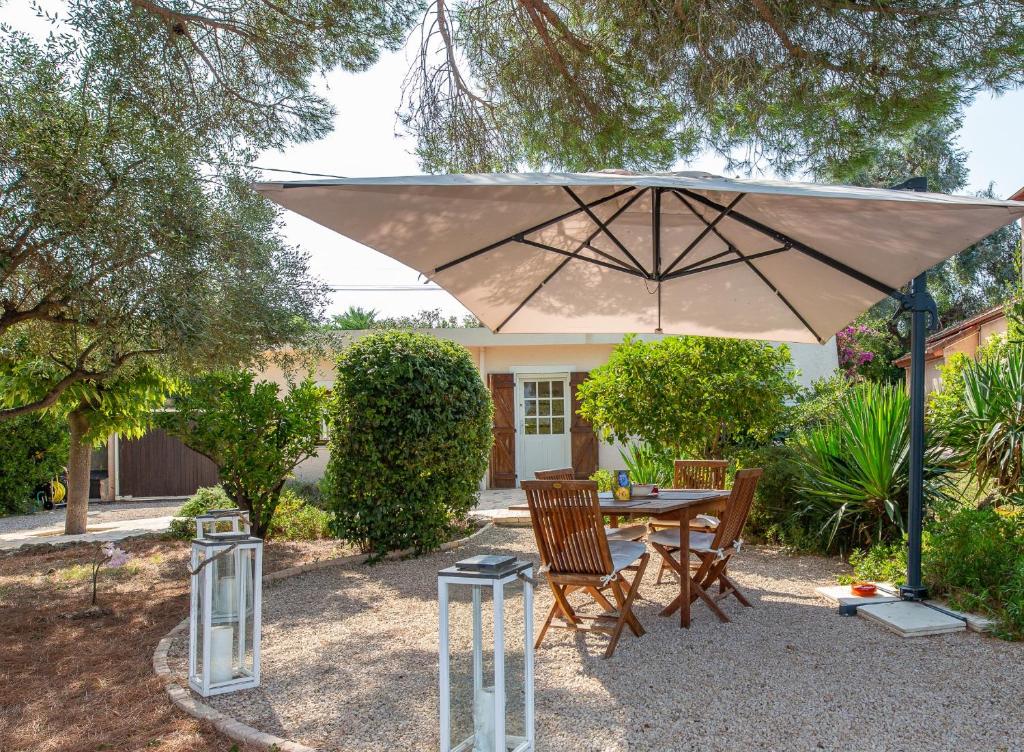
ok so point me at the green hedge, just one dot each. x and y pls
(410, 423)
(33, 451)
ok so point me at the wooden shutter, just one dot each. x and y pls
(503, 451)
(584, 440)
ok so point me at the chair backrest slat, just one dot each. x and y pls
(738, 507)
(562, 473)
(700, 473)
(568, 526)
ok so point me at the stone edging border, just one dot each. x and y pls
(225, 724)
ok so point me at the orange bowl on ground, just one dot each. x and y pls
(863, 589)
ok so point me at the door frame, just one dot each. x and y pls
(529, 373)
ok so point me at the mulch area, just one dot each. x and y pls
(81, 682)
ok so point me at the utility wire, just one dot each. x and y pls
(297, 172)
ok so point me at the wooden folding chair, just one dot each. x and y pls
(630, 532)
(708, 474)
(713, 550)
(576, 555)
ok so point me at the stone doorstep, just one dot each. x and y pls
(503, 517)
(909, 619)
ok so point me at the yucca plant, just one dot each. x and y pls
(987, 438)
(856, 469)
(646, 463)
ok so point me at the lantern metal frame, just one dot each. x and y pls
(496, 580)
(202, 617)
(239, 519)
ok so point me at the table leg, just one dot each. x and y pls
(684, 560)
(613, 521)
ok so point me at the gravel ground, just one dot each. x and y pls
(98, 513)
(350, 663)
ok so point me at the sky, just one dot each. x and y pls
(366, 142)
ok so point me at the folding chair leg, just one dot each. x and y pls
(725, 581)
(546, 625)
(700, 592)
(598, 596)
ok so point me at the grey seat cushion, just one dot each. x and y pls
(670, 538)
(627, 533)
(625, 553)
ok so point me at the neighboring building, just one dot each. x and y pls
(540, 372)
(965, 337)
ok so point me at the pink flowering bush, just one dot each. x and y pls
(866, 353)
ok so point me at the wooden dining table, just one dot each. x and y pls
(696, 501)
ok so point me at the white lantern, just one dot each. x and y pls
(225, 613)
(216, 520)
(486, 693)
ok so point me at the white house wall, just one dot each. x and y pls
(505, 353)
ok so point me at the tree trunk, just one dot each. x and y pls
(79, 466)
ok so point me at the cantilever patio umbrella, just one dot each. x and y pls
(683, 253)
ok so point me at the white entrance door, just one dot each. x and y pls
(543, 417)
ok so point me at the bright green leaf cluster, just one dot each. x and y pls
(255, 435)
(410, 424)
(695, 396)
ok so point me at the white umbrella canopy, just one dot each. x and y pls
(683, 253)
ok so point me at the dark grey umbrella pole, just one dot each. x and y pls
(921, 306)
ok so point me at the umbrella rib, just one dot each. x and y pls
(704, 266)
(574, 255)
(604, 228)
(749, 262)
(535, 228)
(709, 226)
(805, 249)
(699, 216)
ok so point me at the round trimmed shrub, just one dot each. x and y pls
(183, 526)
(410, 424)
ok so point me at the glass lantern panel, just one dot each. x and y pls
(471, 667)
(515, 666)
(199, 599)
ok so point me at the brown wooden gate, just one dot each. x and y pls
(584, 440)
(503, 451)
(158, 464)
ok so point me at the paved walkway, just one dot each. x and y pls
(107, 522)
(111, 522)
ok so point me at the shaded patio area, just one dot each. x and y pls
(350, 663)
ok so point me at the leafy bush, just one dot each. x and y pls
(856, 468)
(981, 420)
(183, 526)
(33, 451)
(646, 463)
(883, 562)
(697, 396)
(976, 558)
(296, 519)
(255, 435)
(311, 493)
(605, 479)
(410, 439)
(772, 516)
(818, 404)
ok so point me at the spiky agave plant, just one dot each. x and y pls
(856, 469)
(987, 439)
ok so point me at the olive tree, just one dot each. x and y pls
(693, 395)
